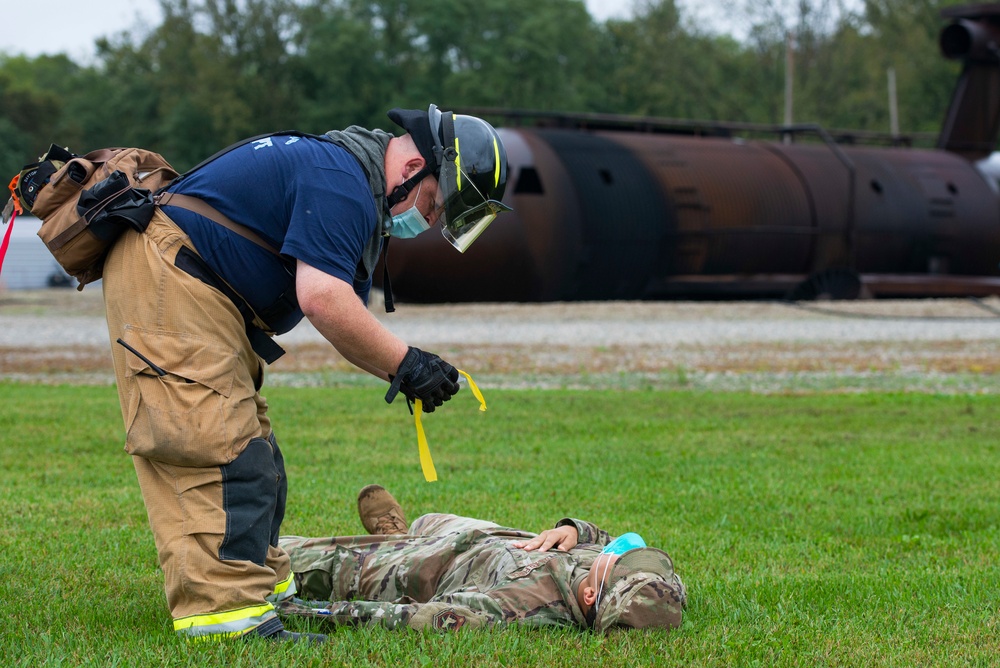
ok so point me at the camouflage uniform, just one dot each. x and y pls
(450, 572)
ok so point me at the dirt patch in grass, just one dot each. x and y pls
(968, 357)
(579, 340)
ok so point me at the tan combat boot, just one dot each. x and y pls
(380, 512)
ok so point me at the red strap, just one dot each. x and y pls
(6, 239)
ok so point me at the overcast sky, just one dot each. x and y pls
(72, 26)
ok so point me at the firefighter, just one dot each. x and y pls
(192, 304)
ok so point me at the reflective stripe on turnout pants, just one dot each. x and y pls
(211, 474)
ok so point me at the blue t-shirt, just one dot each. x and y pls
(308, 197)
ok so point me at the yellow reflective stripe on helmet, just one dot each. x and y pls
(224, 624)
(496, 153)
(284, 589)
(458, 158)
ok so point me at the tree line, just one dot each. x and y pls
(215, 71)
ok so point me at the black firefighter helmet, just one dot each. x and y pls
(468, 158)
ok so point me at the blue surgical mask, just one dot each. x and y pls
(619, 546)
(624, 543)
(410, 223)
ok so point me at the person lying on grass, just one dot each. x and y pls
(448, 572)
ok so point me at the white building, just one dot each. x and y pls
(28, 264)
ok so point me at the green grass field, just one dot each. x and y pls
(821, 529)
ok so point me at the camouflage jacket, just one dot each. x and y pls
(448, 573)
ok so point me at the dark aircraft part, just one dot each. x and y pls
(605, 208)
(973, 118)
(618, 215)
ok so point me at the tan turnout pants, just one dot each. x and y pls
(211, 474)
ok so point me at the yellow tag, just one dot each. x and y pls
(426, 462)
(475, 390)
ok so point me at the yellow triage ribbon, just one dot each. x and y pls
(426, 463)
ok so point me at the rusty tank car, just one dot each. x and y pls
(609, 207)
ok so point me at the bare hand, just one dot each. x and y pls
(563, 538)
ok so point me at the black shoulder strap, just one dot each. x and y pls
(204, 209)
(390, 302)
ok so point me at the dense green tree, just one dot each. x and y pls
(17, 150)
(522, 54)
(907, 34)
(660, 67)
(217, 70)
(842, 56)
(214, 71)
(356, 60)
(363, 57)
(45, 100)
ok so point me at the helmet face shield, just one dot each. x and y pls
(465, 211)
(473, 162)
(467, 229)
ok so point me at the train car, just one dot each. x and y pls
(617, 208)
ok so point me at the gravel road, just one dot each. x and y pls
(923, 345)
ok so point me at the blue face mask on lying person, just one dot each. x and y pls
(619, 546)
(624, 543)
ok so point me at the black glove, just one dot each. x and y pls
(423, 376)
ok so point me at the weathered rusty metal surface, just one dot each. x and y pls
(616, 215)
